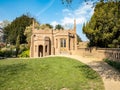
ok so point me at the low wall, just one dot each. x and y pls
(113, 54)
(100, 53)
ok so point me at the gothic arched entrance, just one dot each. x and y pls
(40, 51)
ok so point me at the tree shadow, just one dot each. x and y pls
(87, 72)
(105, 70)
(10, 72)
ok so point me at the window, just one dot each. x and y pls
(63, 42)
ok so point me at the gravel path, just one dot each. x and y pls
(110, 76)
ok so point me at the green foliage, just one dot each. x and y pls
(17, 27)
(103, 29)
(59, 27)
(10, 51)
(28, 33)
(1, 53)
(50, 26)
(53, 73)
(23, 47)
(114, 64)
(67, 1)
(17, 45)
(25, 53)
(7, 52)
(44, 26)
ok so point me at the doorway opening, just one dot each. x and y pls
(40, 51)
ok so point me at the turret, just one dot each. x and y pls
(33, 25)
(75, 25)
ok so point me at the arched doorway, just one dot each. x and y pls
(40, 51)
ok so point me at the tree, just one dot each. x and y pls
(17, 45)
(44, 26)
(49, 26)
(17, 27)
(103, 29)
(59, 27)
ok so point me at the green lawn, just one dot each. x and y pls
(53, 73)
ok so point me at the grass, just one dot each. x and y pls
(114, 64)
(53, 73)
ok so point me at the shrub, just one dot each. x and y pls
(1, 53)
(23, 47)
(25, 53)
(8, 51)
(114, 64)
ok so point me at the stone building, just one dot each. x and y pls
(53, 42)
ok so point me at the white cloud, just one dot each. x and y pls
(81, 14)
(80, 20)
(65, 10)
(84, 9)
(54, 23)
(67, 20)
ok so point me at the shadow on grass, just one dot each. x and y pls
(105, 70)
(87, 72)
(10, 72)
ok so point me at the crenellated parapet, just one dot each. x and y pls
(41, 31)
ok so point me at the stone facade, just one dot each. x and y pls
(53, 42)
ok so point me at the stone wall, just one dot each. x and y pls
(100, 53)
(112, 53)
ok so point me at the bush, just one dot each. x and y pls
(10, 51)
(23, 47)
(114, 64)
(25, 53)
(6, 53)
(1, 53)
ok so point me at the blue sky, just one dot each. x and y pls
(48, 11)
